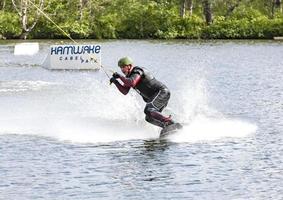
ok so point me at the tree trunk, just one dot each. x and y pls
(24, 19)
(186, 6)
(23, 8)
(82, 4)
(24, 35)
(207, 11)
(2, 4)
(231, 8)
(276, 4)
(81, 9)
(182, 8)
(190, 7)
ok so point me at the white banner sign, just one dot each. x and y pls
(74, 57)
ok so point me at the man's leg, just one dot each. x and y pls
(154, 108)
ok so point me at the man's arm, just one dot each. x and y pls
(131, 81)
(122, 88)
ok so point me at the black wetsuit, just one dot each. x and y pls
(154, 93)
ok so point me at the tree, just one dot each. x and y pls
(232, 7)
(82, 4)
(186, 6)
(207, 11)
(29, 14)
(275, 4)
(2, 4)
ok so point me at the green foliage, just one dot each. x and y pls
(190, 27)
(255, 28)
(111, 19)
(105, 27)
(9, 25)
(146, 21)
(45, 29)
(274, 28)
(243, 12)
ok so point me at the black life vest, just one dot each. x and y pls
(148, 86)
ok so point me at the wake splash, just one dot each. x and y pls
(203, 129)
(81, 108)
(79, 130)
(205, 123)
(84, 130)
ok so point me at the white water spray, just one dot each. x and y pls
(203, 129)
(203, 123)
(88, 111)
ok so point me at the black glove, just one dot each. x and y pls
(116, 75)
(113, 80)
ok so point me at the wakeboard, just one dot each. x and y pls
(171, 129)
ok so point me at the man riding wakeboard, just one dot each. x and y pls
(154, 93)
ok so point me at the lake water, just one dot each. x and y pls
(70, 135)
